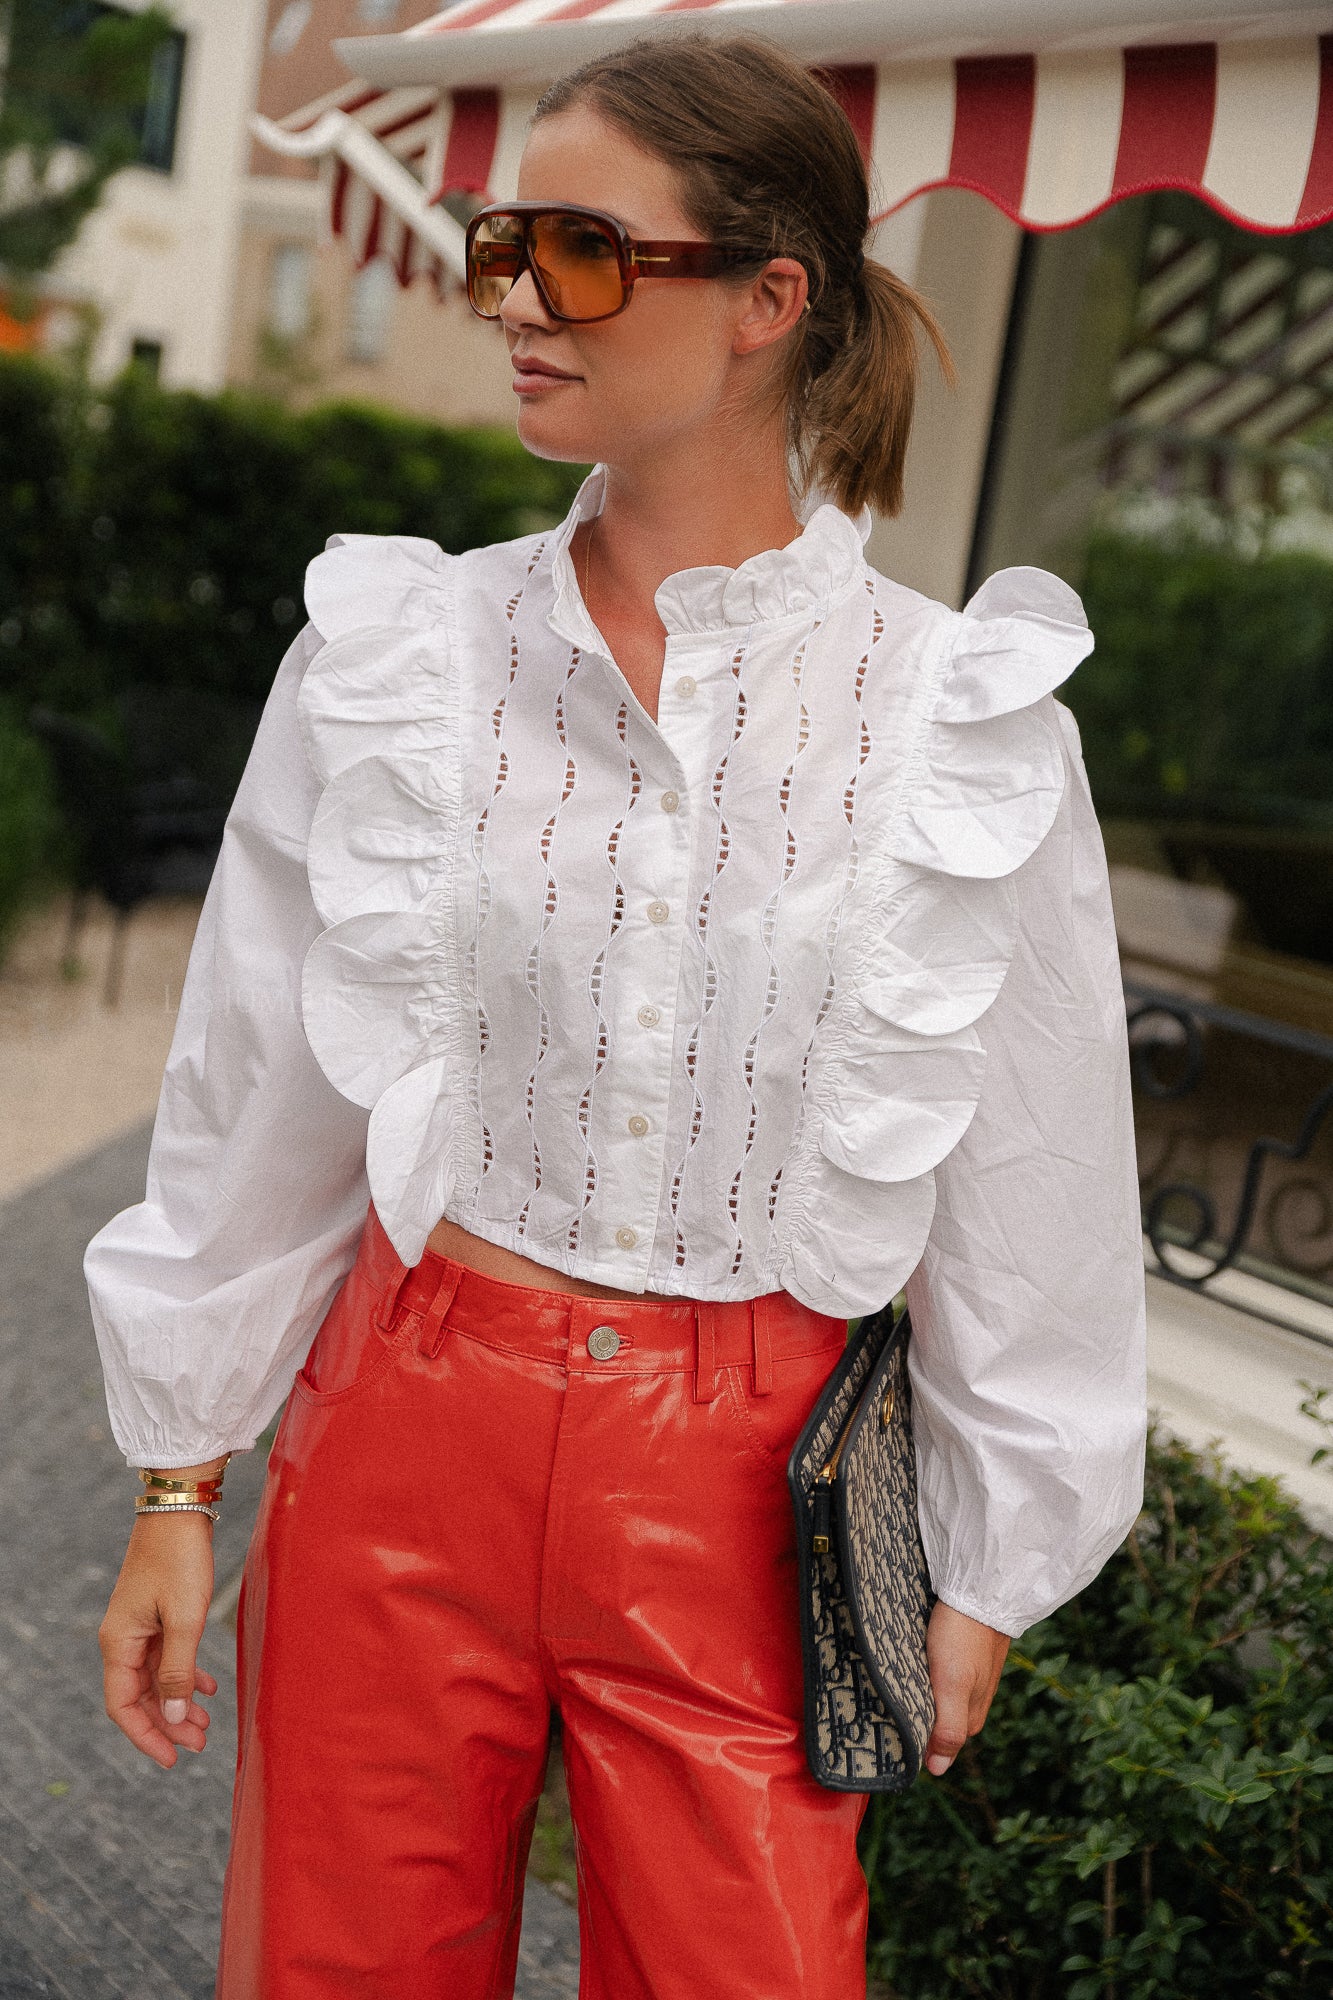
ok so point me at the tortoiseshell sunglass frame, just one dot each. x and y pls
(635, 258)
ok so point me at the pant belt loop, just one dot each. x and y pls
(705, 1365)
(388, 1300)
(763, 1347)
(432, 1327)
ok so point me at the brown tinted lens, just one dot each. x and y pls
(493, 261)
(579, 265)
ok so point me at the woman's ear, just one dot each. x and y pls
(771, 305)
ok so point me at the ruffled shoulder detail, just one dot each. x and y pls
(988, 775)
(361, 580)
(378, 714)
(930, 937)
(379, 602)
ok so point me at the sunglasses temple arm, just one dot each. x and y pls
(686, 260)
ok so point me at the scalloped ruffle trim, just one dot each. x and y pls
(931, 933)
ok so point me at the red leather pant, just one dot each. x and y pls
(478, 1505)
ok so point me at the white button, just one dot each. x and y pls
(627, 1237)
(670, 802)
(638, 1125)
(649, 1016)
(685, 686)
(658, 911)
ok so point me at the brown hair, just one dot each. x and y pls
(767, 160)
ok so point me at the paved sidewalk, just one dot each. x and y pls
(76, 1073)
(84, 1914)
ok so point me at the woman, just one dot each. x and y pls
(634, 950)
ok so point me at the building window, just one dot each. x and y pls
(146, 357)
(370, 309)
(289, 27)
(289, 285)
(161, 112)
(71, 116)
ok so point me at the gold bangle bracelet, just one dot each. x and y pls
(169, 1499)
(157, 1482)
(184, 1493)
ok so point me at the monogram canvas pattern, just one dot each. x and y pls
(869, 1709)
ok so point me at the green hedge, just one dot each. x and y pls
(1210, 693)
(153, 546)
(162, 536)
(30, 828)
(1148, 1814)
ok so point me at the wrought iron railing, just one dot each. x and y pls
(1231, 1109)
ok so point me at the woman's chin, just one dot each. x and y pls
(541, 432)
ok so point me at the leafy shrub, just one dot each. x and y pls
(1148, 1814)
(153, 546)
(29, 824)
(166, 533)
(1211, 689)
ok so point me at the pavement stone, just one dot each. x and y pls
(81, 1917)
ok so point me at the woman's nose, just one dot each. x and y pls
(523, 304)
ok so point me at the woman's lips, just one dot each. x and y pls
(531, 377)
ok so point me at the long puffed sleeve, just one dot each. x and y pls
(206, 1295)
(1028, 1348)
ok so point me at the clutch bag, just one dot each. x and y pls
(865, 1593)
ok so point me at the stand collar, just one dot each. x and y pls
(818, 566)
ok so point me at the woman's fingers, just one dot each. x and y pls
(965, 1659)
(950, 1732)
(177, 1671)
(150, 1638)
(135, 1706)
(127, 1687)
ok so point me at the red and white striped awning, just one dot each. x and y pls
(1051, 133)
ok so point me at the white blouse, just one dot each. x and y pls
(809, 984)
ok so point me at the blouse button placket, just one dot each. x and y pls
(654, 865)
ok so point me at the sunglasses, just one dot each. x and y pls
(583, 263)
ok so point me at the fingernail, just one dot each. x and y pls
(938, 1765)
(175, 1710)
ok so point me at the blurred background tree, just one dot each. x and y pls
(76, 105)
(153, 546)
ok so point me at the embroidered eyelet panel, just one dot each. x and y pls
(809, 984)
(517, 867)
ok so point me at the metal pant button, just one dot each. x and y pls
(603, 1342)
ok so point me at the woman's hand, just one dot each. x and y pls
(151, 1632)
(965, 1662)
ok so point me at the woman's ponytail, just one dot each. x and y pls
(767, 159)
(851, 428)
